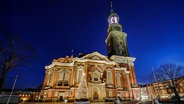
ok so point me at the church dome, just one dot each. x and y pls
(113, 14)
(113, 18)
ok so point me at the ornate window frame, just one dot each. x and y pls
(80, 72)
(109, 76)
(63, 77)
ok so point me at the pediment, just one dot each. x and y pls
(96, 56)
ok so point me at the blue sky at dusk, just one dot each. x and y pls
(155, 32)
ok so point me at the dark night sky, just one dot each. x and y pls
(155, 31)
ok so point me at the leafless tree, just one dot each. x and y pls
(13, 54)
(170, 73)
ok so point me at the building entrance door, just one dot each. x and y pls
(61, 98)
(95, 95)
(61, 95)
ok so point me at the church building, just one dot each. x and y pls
(94, 76)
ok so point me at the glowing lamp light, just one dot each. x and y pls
(24, 99)
(66, 101)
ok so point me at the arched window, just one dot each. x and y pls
(80, 74)
(109, 77)
(113, 20)
(60, 79)
(96, 76)
(63, 77)
(110, 93)
(118, 80)
(66, 77)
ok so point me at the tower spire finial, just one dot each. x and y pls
(111, 7)
(72, 53)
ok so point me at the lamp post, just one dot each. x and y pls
(12, 89)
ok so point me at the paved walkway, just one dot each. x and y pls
(129, 102)
(145, 102)
(62, 103)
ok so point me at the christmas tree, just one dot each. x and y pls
(82, 92)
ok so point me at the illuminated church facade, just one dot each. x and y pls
(105, 77)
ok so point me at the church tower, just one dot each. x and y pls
(118, 52)
(116, 40)
(93, 76)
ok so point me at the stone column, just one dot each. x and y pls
(130, 75)
(134, 76)
(128, 82)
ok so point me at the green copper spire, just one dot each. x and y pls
(116, 39)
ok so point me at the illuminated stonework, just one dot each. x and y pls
(105, 78)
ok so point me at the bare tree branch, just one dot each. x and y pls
(13, 53)
(169, 73)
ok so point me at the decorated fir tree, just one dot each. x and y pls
(82, 92)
